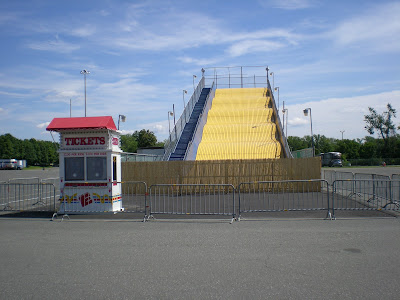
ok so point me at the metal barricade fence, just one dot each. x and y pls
(396, 187)
(348, 181)
(134, 197)
(56, 182)
(329, 176)
(27, 197)
(372, 189)
(290, 195)
(368, 195)
(192, 199)
(35, 188)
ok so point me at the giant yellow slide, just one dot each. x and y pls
(240, 125)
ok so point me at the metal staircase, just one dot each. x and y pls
(188, 131)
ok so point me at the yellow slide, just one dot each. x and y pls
(239, 125)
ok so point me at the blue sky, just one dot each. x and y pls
(336, 57)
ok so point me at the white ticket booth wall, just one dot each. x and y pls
(90, 164)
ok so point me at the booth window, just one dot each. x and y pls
(96, 168)
(74, 168)
(114, 168)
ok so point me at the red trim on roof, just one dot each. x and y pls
(58, 124)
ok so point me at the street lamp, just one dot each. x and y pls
(85, 72)
(194, 76)
(305, 111)
(122, 118)
(170, 113)
(273, 79)
(342, 133)
(184, 104)
(285, 111)
(277, 89)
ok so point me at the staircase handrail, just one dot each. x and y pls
(281, 133)
(180, 124)
(198, 121)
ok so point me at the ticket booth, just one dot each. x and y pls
(90, 164)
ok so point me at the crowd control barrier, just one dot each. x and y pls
(206, 199)
(366, 194)
(192, 199)
(134, 197)
(289, 195)
(27, 197)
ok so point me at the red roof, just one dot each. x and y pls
(58, 124)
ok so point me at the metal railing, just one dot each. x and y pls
(192, 199)
(198, 120)
(288, 195)
(134, 196)
(27, 197)
(125, 156)
(176, 132)
(367, 194)
(208, 199)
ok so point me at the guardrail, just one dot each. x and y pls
(192, 199)
(27, 197)
(209, 199)
(176, 132)
(289, 195)
(198, 122)
(366, 194)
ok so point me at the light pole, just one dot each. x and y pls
(277, 89)
(342, 133)
(173, 111)
(285, 111)
(305, 111)
(194, 76)
(122, 118)
(184, 104)
(273, 79)
(85, 72)
(170, 113)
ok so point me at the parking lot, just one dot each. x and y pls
(207, 259)
(275, 255)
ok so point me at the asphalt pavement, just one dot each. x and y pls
(354, 258)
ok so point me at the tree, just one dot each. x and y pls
(129, 143)
(139, 139)
(297, 143)
(382, 123)
(145, 138)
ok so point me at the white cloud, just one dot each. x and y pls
(1, 110)
(297, 121)
(330, 116)
(377, 29)
(84, 31)
(43, 125)
(251, 46)
(56, 45)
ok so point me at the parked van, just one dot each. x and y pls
(331, 159)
